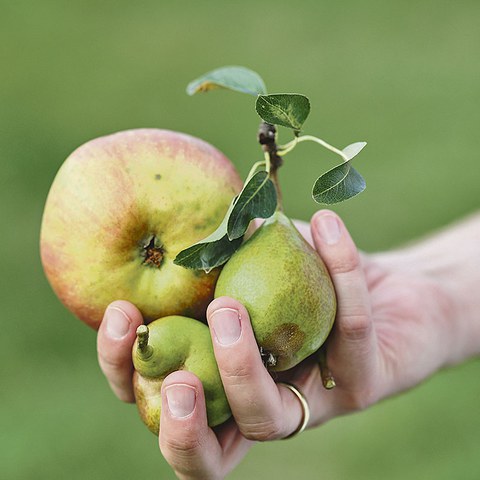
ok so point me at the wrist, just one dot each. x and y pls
(447, 268)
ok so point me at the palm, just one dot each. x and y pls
(396, 359)
(399, 301)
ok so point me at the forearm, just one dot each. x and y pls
(451, 260)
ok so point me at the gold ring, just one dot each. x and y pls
(305, 409)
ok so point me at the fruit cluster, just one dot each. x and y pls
(159, 218)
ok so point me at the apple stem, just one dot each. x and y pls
(267, 139)
(144, 348)
(327, 378)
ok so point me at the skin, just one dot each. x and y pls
(401, 317)
(109, 198)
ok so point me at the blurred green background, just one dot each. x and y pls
(404, 76)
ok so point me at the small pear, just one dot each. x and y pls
(287, 290)
(169, 344)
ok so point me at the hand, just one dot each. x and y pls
(385, 340)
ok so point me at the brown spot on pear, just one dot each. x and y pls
(286, 338)
(286, 288)
(169, 344)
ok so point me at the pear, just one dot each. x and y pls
(287, 290)
(169, 344)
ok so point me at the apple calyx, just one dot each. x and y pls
(153, 253)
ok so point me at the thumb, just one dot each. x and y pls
(352, 347)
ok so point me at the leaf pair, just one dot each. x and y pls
(287, 109)
(258, 199)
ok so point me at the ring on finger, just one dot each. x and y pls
(305, 409)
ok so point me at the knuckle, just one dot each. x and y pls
(180, 446)
(270, 429)
(355, 327)
(344, 264)
(237, 373)
(109, 362)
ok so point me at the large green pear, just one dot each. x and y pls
(287, 290)
(169, 344)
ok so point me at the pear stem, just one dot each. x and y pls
(327, 378)
(143, 348)
(274, 177)
(267, 139)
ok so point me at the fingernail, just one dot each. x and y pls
(181, 399)
(118, 322)
(225, 323)
(328, 228)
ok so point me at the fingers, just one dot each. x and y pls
(185, 440)
(115, 338)
(261, 409)
(187, 443)
(352, 352)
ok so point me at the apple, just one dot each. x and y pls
(120, 209)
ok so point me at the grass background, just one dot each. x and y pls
(402, 75)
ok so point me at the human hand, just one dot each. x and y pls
(385, 339)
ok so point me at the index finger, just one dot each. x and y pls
(262, 409)
(115, 339)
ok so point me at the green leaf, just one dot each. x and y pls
(258, 199)
(353, 149)
(338, 184)
(240, 79)
(287, 109)
(209, 254)
(212, 251)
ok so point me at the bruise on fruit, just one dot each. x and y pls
(153, 254)
(148, 399)
(284, 340)
(204, 292)
(158, 176)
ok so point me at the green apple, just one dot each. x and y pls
(119, 211)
